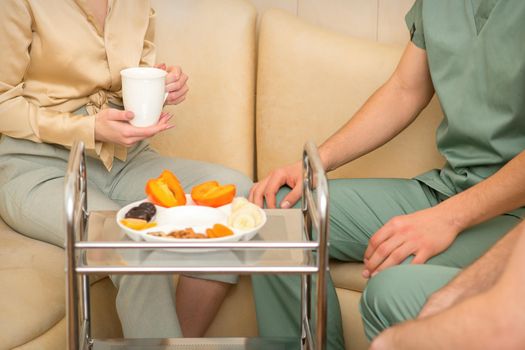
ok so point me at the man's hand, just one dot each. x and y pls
(423, 234)
(176, 84)
(112, 125)
(386, 340)
(267, 188)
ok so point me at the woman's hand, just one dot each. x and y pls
(112, 125)
(267, 188)
(423, 234)
(176, 86)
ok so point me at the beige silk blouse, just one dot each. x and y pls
(54, 59)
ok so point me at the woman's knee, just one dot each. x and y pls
(242, 182)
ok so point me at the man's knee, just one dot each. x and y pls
(389, 299)
(398, 294)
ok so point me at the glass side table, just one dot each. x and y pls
(95, 245)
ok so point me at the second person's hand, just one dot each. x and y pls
(112, 125)
(267, 188)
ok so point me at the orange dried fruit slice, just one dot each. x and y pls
(137, 224)
(218, 230)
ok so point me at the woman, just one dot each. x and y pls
(59, 83)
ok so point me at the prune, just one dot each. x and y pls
(145, 211)
(137, 213)
(148, 207)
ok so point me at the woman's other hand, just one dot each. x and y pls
(112, 125)
(176, 86)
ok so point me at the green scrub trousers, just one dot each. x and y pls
(358, 208)
(32, 203)
(475, 51)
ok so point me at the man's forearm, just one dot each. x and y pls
(386, 113)
(485, 271)
(498, 194)
(465, 326)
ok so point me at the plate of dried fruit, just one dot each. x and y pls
(144, 221)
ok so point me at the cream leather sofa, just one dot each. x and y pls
(253, 101)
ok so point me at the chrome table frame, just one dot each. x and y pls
(314, 207)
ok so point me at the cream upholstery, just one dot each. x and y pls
(31, 285)
(309, 81)
(214, 42)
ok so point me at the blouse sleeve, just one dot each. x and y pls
(414, 21)
(19, 117)
(149, 50)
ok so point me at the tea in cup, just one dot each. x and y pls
(144, 94)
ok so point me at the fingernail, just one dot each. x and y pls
(365, 273)
(285, 205)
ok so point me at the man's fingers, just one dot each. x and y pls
(257, 193)
(421, 257)
(270, 199)
(276, 180)
(396, 257)
(291, 198)
(379, 237)
(250, 194)
(381, 254)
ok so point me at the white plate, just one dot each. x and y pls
(190, 215)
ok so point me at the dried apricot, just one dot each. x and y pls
(137, 224)
(218, 230)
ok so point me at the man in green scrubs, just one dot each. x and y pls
(471, 53)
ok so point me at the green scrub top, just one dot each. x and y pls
(476, 57)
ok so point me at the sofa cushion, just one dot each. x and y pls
(309, 83)
(214, 43)
(31, 284)
(53, 339)
(347, 275)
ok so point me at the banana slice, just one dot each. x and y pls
(248, 216)
(238, 203)
(242, 220)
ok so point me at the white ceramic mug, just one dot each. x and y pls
(144, 93)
